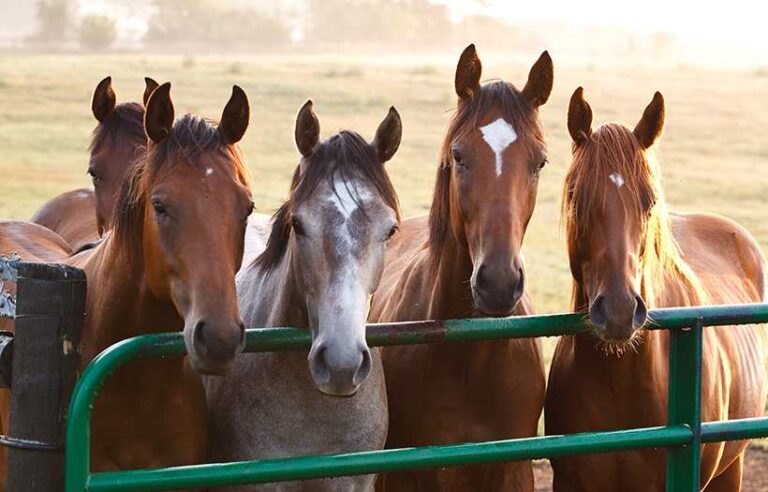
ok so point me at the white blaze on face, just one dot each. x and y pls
(498, 135)
(617, 179)
(341, 197)
(208, 171)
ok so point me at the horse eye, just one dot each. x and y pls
(297, 227)
(392, 232)
(159, 207)
(457, 157)
(251, 208)
(93, 176)
(543, 163)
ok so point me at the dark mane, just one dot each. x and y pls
(346, 156)
(190, 137)
(126, 119)
(514, 107)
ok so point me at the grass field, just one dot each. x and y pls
(714, 153)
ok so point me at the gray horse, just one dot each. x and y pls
(322, 262)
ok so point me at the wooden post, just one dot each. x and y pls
(49, 318)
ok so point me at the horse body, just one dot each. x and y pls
(597, 385)
(464, 261)
(321, 264)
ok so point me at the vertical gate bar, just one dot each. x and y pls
(684, 406)
(49, 319)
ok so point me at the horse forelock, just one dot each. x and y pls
(498, 97)
(342, 160)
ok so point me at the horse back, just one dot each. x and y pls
(72, 215)
(724, 256)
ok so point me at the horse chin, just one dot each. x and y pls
(209, 369)
(617, 342)
(494, 308)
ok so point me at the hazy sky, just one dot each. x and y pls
(729, 28)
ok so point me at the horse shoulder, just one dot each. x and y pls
(718, 245)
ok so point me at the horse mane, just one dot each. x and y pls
(346, 156)
(190, 137)
(126, 118)
(513, 107)
(612, 148)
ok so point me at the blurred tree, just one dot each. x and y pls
(54, 20)
(97, 32)
(209, 23)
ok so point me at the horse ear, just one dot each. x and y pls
(234, 119)
(307, 129)
(540, 79)
(468, 72)
(159, 116)
(650, 126)
(103, 99)
(387, 139)
(579, 117)
(150, 86)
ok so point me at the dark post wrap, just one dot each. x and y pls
(49, 318)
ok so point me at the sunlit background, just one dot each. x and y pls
(729, 33)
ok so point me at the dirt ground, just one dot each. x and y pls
(755, 472)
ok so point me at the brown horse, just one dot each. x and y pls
(169, 264)
(464, 261)
(118, 139)
(628, 253)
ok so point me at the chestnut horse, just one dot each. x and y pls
(323, 261)
(169, 264)
(628, 253)
(118, 139)
(464, 261)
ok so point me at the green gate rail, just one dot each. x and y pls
(682, 435)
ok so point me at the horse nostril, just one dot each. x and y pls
(199, 335)
(597, 313)
(318, 366)
(520, 287)
(641, 312)
(364, 370)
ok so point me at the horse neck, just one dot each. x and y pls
(274, 298)
(119, 301)
(450, 290)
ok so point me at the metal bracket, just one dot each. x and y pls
(8, 267)
(8, 273)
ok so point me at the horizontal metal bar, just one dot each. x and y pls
(458, 330)
(734, 430)
(307, 467)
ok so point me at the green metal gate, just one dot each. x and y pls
(682, 436)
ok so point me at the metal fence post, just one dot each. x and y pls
(684, 406)
(49, 318)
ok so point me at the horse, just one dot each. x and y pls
(462, 261)
(168, 264)
(118, 140)
(628, 253)
(322, 262)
